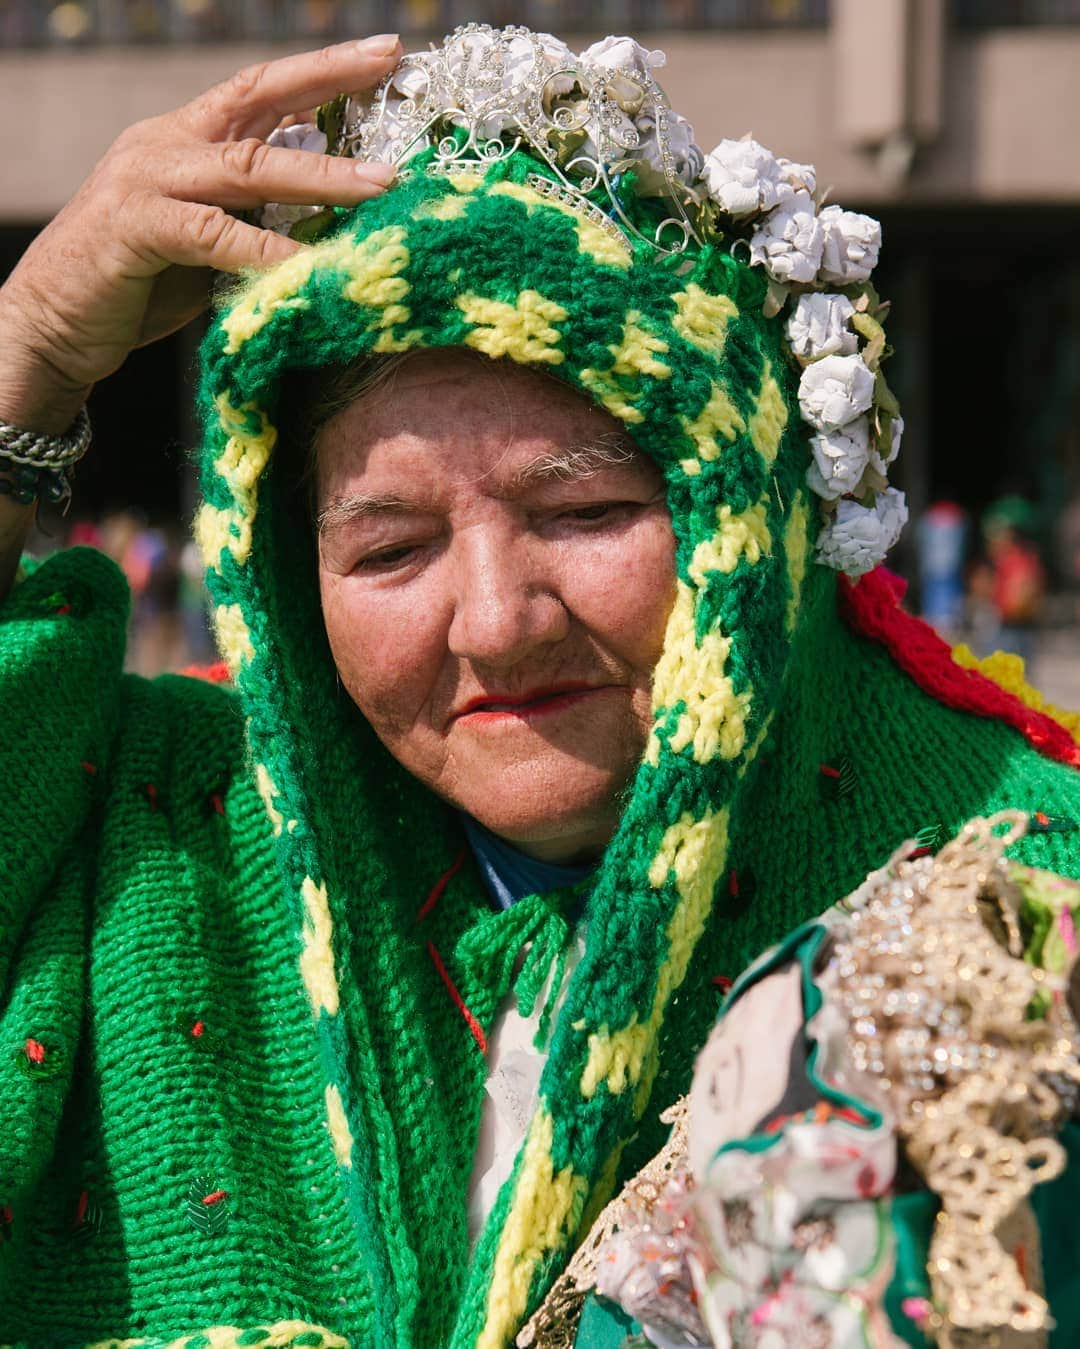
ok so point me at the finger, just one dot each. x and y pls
(256, 98)
(196, 235)
(242, 174)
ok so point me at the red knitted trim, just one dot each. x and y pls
(218, 673)
(871, 607)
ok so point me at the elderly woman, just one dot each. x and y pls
(526, 484)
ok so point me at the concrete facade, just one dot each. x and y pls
(890, 107)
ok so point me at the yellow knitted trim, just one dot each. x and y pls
(1007, 671)
(265, 785)
(317, 957)
(213, 530)
(541, 1210)
(611, 394)
(233, 637)
(597, 243)
(522, 330)
(636, 353)
(278, 1336)
(695, 850)
(768, 422)
(371, 264)
(340, 1133)
(239, 465)
(796, 545)
(702, 319)
(442, 208)
(743, 535)
(714, 720)
(719, 417)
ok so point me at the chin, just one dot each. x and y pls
(564, 807)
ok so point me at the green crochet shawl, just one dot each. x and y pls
(245, 974)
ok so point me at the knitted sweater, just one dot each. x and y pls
(174, 1162)
(246, 973)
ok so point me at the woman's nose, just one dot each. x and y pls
(505, 606)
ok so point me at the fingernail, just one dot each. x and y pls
(382, 45)
(375, 172)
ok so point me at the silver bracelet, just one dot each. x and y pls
(31, 449)
(33, 465)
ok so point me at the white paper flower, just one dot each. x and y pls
(300, 136)
(686, 154)
(742, 177)
(788, 241)
(628, 66)
(819, 326)
(834, 391)
(852, 243)
(859, 537)
(840, 459)
(280, 217)
(799, 177)
(881, 463)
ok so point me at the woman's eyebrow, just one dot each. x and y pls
(342, 510)
(573, 464)
(577, 462)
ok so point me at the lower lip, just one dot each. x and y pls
(535, 711)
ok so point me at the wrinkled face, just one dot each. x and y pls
(496, 565)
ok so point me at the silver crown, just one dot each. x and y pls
(485, 93)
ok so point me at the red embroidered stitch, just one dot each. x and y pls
(35, 1051)
(198, 1029)
(215, 1197)
(441, 884)
(871, 607)
(217, 803)
(151, 794)
(89, 768)
(459, 1002)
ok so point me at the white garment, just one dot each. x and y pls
(514, 1068)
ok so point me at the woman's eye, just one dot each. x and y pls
(386, 559)
(597, 510)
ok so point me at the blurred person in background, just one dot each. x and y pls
(1008, 585)
(940, 542)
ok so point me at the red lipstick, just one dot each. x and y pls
(527, 704)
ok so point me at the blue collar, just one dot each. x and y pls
(510, 874)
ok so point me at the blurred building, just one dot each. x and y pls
(958, 124)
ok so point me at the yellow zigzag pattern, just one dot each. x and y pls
(696, 851)
(542, 1214)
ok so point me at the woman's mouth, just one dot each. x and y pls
(527, 706)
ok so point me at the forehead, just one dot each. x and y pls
(451, 413)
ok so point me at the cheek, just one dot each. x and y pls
(385, 649)
(630, 591)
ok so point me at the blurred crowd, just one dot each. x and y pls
(170, 627)
(996, 579)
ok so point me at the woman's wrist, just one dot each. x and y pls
(35, 394)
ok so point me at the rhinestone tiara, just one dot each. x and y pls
(486, 93)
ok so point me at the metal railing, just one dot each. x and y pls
(80, 23)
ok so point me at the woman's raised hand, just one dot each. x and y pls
(129, 258)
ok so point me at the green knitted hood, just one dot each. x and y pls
(679, 351)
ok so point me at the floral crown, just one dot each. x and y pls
(619, 155)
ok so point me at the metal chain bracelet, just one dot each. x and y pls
(33, 465)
